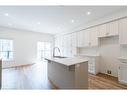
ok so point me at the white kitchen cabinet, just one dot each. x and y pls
(93, 63)
(122, 73)
(80, 39)
(93, 36)
(90, 37)
(65, 43)
(108, 29)
(74, 39)
(86, 38)
(123, 31)
(102, 30)
(74, 43)
(112, 28)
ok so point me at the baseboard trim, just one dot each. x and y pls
(15, 66)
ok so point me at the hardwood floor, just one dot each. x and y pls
(35, 77)
(102, 81)
(28, 77)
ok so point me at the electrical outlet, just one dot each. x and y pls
(109, 72)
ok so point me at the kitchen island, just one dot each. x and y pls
(68, 73)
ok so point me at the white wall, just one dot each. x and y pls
(25, 45)
(109, 52)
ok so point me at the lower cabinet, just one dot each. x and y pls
(122, 73)
(93, 64)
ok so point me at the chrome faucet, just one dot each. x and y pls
(54, 51)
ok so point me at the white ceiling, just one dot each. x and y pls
(51, 19)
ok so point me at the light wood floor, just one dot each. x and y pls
(35, 77)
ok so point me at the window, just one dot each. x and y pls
(43, 50)
(6, 49)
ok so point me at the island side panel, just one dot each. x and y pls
(81, 75)
(61, 75)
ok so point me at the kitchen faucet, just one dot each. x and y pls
(54, 51)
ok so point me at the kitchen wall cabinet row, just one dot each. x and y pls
(90, 37)
(87, 38)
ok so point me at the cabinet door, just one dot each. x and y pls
(94, 36)
(102, 30)
(67, 45)
(122, 74)
(74, 43)
(112, 28)
(80, 39)
(123, 31)
(86, 38)
(64, 45)
(74, 39)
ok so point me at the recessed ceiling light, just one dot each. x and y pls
(38, 23)
(72, 21)
(88, 13)
(6, 14)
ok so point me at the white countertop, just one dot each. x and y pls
(123, 59)
(89, 55)
(68, 61)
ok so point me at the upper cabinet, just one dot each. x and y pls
(88, 37)
(74, 39)
(123, 31)
(108, 29)
(113, 28)
(80, 39)
(102, 30)
(94, 36)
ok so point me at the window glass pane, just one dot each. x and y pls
(47, 46)
(6, 49)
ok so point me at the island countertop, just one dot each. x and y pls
(68, 61)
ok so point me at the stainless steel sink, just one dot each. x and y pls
(59, 57)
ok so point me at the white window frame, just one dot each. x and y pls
(12, 50)
(42, 57)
